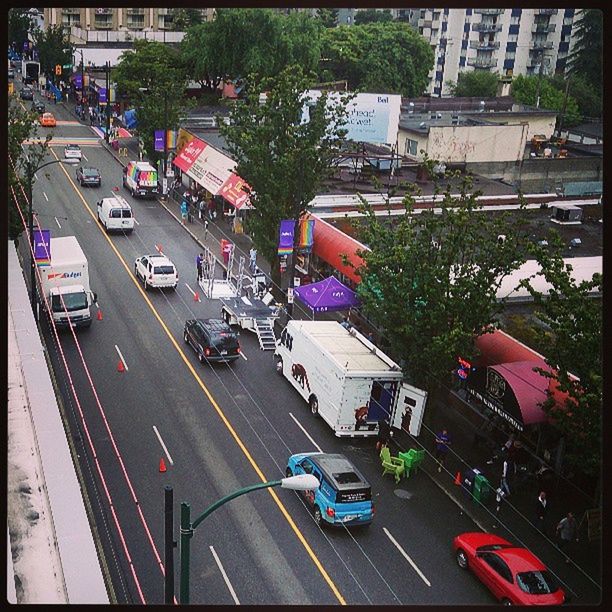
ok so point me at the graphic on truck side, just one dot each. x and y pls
(361, 415)
(65, 275)
(298, 371)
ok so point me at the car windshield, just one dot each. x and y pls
(73, 148)
(494, 547)
(90, 172)
(72, 301)
(224, 340)
(163, 270)
(346, 477)
(537, 583)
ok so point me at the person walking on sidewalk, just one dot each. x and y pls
(205, 228)
(443, 441)
(199, 261)
(253, 259)
(384, 435)
(184, 209)
(541, 509)
(506, 471)
(567, 532)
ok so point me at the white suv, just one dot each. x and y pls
(72, 151)
(156, 271)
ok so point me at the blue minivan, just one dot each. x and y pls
(344, 496)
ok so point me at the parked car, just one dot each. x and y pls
(48, 120)
(88, 176)
(212, 340)
(72, 151)
(38, 107)
(344, 496)
(512, 573)
(11, 73)
(26, 94)
(156, 271)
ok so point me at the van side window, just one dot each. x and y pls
(307, 466)
(126, 213)
(115, 213)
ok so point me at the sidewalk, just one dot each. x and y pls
(582, 578)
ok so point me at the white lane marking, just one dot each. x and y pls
(58, 223)
(35, 176)
(243, 355)
(83, 154)
(192, 291)
(227, 582)
(121, 357)
(46, 198)
(135, 221)
(306, 433)
(405, 555)
(163, 445)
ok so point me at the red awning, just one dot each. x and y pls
(188, 154)
(330, 244)
(499, 347)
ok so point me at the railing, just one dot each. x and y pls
(71, 11)
(106, 24)
(488, 11)
(88, 36)
(486, 27)
(541, 44)
(104, 11)
(134, 11)
(482, 62)
(545, 11)
(488, 44)
(541, 28)
(136, 24)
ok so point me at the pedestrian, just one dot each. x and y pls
(384, 435)
(541, 509)
(211, 209)
(184, 207)
(199, 262)
(253, 259)
(200, 208)
(503, 484)
(205, 228)
(499, 498)
(189, 211)
(443, 441)
(345, 323)
(567, 532)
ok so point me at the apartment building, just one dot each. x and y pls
(508, 42)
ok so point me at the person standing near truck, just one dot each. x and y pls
(443, 441)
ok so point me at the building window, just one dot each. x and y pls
(461, 63)
(444, 26)
(512, 38)
(516, 12)
(563, 47)
(508, 64)
(464, 44)
(570, 12)
(510, 46)
(468, 11)
(411, 145)
(510, 55)
(515, 20)
(513, 29)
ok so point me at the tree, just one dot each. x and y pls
(572, 346)
(154, 79)
(430, 280)
(200, 56)
(22, 125)
(283, 159)
(585, 60)
(525, 88)
(328, 17)
(372, 16)
(183, 19)
(19, 24)
(477, 83)
(377, 57)
(54, 47)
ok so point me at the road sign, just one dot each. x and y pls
(67, 66)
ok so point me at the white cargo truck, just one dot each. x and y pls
(346, 379)
(65, 284)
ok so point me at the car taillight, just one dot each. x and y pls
(207, 351)
(331, 512)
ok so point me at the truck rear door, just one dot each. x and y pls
(409, 408)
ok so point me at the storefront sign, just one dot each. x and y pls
(42, 247)
(235, 191)
(285, 240)
(496, 408)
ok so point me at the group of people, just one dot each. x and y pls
(195, 202)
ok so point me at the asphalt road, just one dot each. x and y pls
(224, 427)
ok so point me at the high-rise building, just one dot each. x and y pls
(508, 42)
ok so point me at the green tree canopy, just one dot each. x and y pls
(282, 159)
(328, 17)
(19, 24)
(572, 345)
(477, 83)
(378, 57)
(430, 280)
(586, 58)
(372, 15)
(54, 47)
(185, 18)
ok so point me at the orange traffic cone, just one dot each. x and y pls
(458, 479)
(196, 297)
(120, 366)
(99, 315)
(159, 249)
(162, 465)
(115, 188)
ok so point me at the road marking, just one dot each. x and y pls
(192, 291)
(121, 357)
(135, 221)
(243, 355)
(163, 445)
(406, 556)
(279, 504)
(46, 198)
(85, 158)
(227, 582)
(35, 176)
(306, 433)
(58, 223)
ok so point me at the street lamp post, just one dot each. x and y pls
(301, 482)
(107, 135)
(164, 180)
(30, 178)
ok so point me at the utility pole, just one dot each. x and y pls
(33, 244)
(562, 117)
(169, 545)
(82, 80)
(540, 72)
(165, 178)
(107, 135)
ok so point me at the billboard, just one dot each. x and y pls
(42, 247)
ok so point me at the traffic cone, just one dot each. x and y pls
(159, 249)
(116, 188)
(196, 297)
(162, 465)
(120, 366)
(458, 479)
(99, 315)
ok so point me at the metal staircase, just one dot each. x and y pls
(265, 334)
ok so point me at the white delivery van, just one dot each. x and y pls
(65, 284)
(115, 214)
(346, 380)
(140, 179)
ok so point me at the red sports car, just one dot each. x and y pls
(514, 575)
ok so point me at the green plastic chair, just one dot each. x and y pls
(412, 459)
(391, 465)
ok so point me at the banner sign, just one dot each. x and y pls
(102, 95)
(159, 140)
(235, 192)
(78, 81)
(285, 242)
(42, 247)
(306, 237)
(371, 118)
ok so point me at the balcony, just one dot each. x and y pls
(134, 23)
(486, 27)
(71, 11)
(104, 11)
(135, 11)
(545, 11)
(482, 62)
(103, 22)
(488, 11)
(543, 28)
(541, 44)
(484, 45)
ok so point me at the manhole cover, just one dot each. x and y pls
(402, 493)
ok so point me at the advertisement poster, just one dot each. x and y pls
(42, 247)
(285, 241)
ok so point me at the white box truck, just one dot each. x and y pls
(346, 379)
(65, 284)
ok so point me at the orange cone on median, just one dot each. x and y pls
(99, 315)
(458, 479)
(162, 465)
(120, 366)
(196, 297)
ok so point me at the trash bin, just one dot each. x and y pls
(482, 488)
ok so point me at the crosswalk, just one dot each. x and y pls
(81, 141)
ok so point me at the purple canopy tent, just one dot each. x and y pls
(327, 295)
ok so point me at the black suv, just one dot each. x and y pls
(38, 106)
(26, 94)
(212, 340)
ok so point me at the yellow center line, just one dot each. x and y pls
(225, 420)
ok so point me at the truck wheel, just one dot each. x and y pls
(313, 402)
(201, 356)
(279, 366)
(318, 517)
